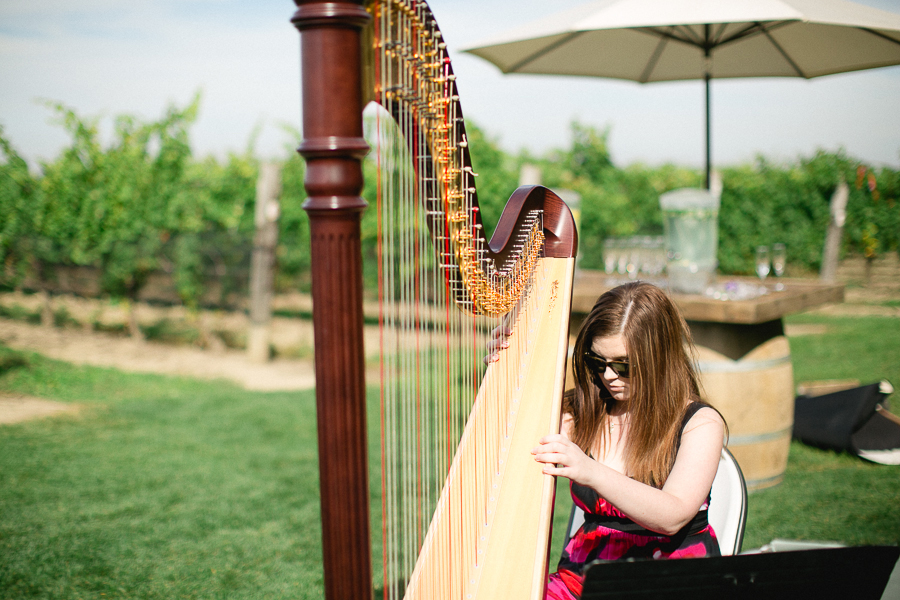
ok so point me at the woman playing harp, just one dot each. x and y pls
(458, 481)
(638, 446)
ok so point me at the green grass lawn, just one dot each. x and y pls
(159, 488)
(174, 488)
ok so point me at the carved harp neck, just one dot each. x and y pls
(414, 81)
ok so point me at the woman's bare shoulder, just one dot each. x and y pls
(707, 417)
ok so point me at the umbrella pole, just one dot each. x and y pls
(707, 75)
(708, 136)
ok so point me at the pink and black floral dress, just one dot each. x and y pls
(608, 534)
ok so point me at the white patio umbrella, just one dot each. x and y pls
(669, 40)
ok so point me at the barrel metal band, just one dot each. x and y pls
(753, 484)
(745, 440)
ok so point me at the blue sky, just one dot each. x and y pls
(108, 57)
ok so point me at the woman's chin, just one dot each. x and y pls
(618, 395)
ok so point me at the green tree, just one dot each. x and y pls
(497, 178)
(214, 240)
(790, 203)
(873, 215)
(292, 252)
(19, 193)
(67, 216)
(589, 157)
(142, 174)
(111, 207)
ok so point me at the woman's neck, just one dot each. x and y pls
(618, 409)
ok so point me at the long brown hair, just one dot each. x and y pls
(660, 350)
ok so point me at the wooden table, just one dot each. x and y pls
(744, 361)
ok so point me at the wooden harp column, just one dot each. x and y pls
(333, 146)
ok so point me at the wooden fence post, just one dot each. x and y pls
(268, 187)
(835, 231)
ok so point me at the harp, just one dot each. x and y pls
(465, 510)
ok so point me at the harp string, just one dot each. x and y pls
(439, 297)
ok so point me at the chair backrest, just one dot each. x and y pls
(728, 505)
(727, 509)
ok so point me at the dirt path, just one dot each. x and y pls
(15, 408)
(98, 349)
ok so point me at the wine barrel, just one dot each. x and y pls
(755, 394)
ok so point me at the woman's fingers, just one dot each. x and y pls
(551, 458)
(554, 437)
(557, 452)
(501, 331)
(494, 348)
(560, 456)
(497, 343)
(555, 464)
(549, 469)
(556, 446)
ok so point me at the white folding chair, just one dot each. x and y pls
(728, 505)
(727, 509)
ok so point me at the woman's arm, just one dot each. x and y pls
(666, 510)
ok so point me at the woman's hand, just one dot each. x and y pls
(499, 341)
(561, 456)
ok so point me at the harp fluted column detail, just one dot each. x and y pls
(333, 147)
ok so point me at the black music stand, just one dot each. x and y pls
(860, 573)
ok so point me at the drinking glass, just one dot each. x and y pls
(622, 257)
(609, 256)
(634, 261)
(779, 258)
(762, 262)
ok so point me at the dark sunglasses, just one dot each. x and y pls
(598, 364)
